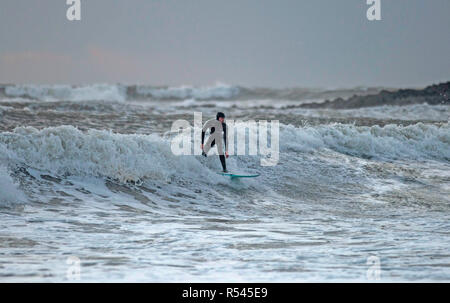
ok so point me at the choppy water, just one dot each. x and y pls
(88, 172)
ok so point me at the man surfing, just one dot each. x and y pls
(217, 127)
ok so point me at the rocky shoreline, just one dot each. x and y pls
(432, 95)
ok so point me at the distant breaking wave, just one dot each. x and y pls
(219, 91)
(96, 92)
(121, 93)
(311, 97)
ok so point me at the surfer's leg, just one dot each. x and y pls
(222, 160)
(221, 156)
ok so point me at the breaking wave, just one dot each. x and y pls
(417, 141)
(9, 192)
(219, 91)
(65, 150)
(97, 92)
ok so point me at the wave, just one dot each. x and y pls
(97, 92)
(405, 112)
(417, 141)
(219, 91)
(65, 150)
(119, 93)
(9, 192)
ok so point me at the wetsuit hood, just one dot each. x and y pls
(220, 115)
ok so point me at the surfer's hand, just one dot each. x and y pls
(201, 146)
(226, 154)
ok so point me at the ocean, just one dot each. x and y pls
(90, 189)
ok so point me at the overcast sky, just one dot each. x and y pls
(306, 43)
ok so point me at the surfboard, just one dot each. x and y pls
(233, 176)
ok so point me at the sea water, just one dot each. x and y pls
(87, 174)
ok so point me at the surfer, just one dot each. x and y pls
(219, 124)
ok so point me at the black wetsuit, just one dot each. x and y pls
(221, 157)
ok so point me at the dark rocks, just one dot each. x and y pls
(433, 95)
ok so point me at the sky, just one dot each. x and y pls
(284, 43)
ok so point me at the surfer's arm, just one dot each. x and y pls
(203, 137)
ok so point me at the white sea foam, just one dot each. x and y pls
(116, 92)
(338, 192)
(67, 92)
(391, 141)
(221, 91)
(405, 112)
(67, 150)
(9, 192)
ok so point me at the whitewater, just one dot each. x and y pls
(88, 172)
